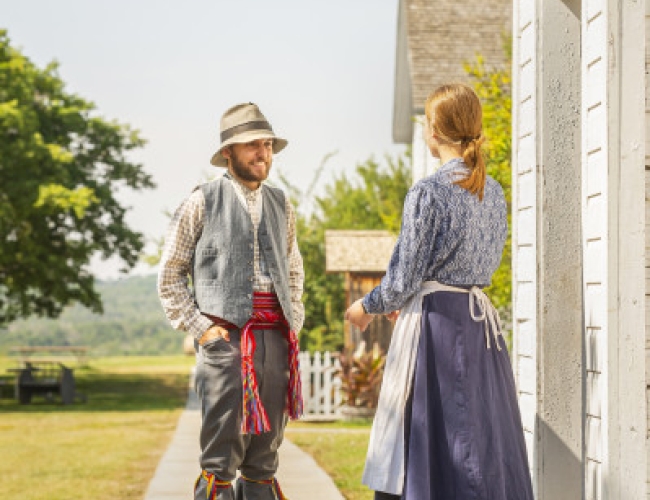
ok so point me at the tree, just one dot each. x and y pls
(377, 193)
(372, 199)
(493, 87)
(60, 167)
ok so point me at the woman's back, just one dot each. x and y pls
(467, 246)
(448, 234)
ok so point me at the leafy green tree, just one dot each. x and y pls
(372, 198)
(493, 86)
(60, 167)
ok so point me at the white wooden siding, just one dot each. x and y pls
(612, 169)
(647, 304)
(629, 24)
(613, 237)
(594, 161)
(524, 217)
(647, 235)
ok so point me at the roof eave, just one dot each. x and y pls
(403, 94)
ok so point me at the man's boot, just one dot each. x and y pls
(208, 487)
(249, 489)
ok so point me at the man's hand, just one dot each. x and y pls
(214, 332)
(357, 316)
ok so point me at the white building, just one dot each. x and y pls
(579, 244)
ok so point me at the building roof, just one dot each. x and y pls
(358, 251)
(434, 39)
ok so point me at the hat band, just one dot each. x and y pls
(245, 127)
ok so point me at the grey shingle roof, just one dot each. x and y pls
(435, 38)
(358, 251)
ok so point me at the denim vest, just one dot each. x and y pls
(223, 257)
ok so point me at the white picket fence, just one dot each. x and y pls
(320, 387)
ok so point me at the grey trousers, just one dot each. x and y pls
(224, 449)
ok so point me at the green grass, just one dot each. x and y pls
(106, 448)
(340, 449)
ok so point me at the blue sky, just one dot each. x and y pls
(322, 71)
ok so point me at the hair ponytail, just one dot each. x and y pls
(473, 158)
(454, 113)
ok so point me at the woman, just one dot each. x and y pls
(448, 425)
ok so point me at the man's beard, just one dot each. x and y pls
(244, 173)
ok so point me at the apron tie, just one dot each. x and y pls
(486, 313)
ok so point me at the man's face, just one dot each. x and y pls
(250, 162)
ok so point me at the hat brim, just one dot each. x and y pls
(279, 144)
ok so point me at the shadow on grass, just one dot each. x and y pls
(106, 392)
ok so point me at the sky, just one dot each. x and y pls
(321, 71)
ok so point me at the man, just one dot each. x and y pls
(236, 238)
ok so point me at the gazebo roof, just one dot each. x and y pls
(358, 251)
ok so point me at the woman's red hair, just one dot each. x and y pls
(455, 115)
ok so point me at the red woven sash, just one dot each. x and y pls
(267, 315)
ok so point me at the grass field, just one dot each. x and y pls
(108, 447)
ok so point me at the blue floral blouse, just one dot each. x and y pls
(447, 235)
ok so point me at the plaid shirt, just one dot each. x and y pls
(176, 263)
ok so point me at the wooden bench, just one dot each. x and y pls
(44, 353)
(45, 378)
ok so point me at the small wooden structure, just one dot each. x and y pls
(363, 256)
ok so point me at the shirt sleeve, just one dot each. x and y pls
(411, 255)
(296, 271)
(176, 298)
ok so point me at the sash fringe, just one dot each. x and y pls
(267, 315)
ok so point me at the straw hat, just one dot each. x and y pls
(244, 123)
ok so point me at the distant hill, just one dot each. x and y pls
(133, 323)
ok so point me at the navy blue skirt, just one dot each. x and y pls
(464, 438)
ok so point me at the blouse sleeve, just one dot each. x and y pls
(411, 255)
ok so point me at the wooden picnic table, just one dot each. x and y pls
(46, 378)
(29, 353)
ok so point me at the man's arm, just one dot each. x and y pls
(184, 231)
(296, 271)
